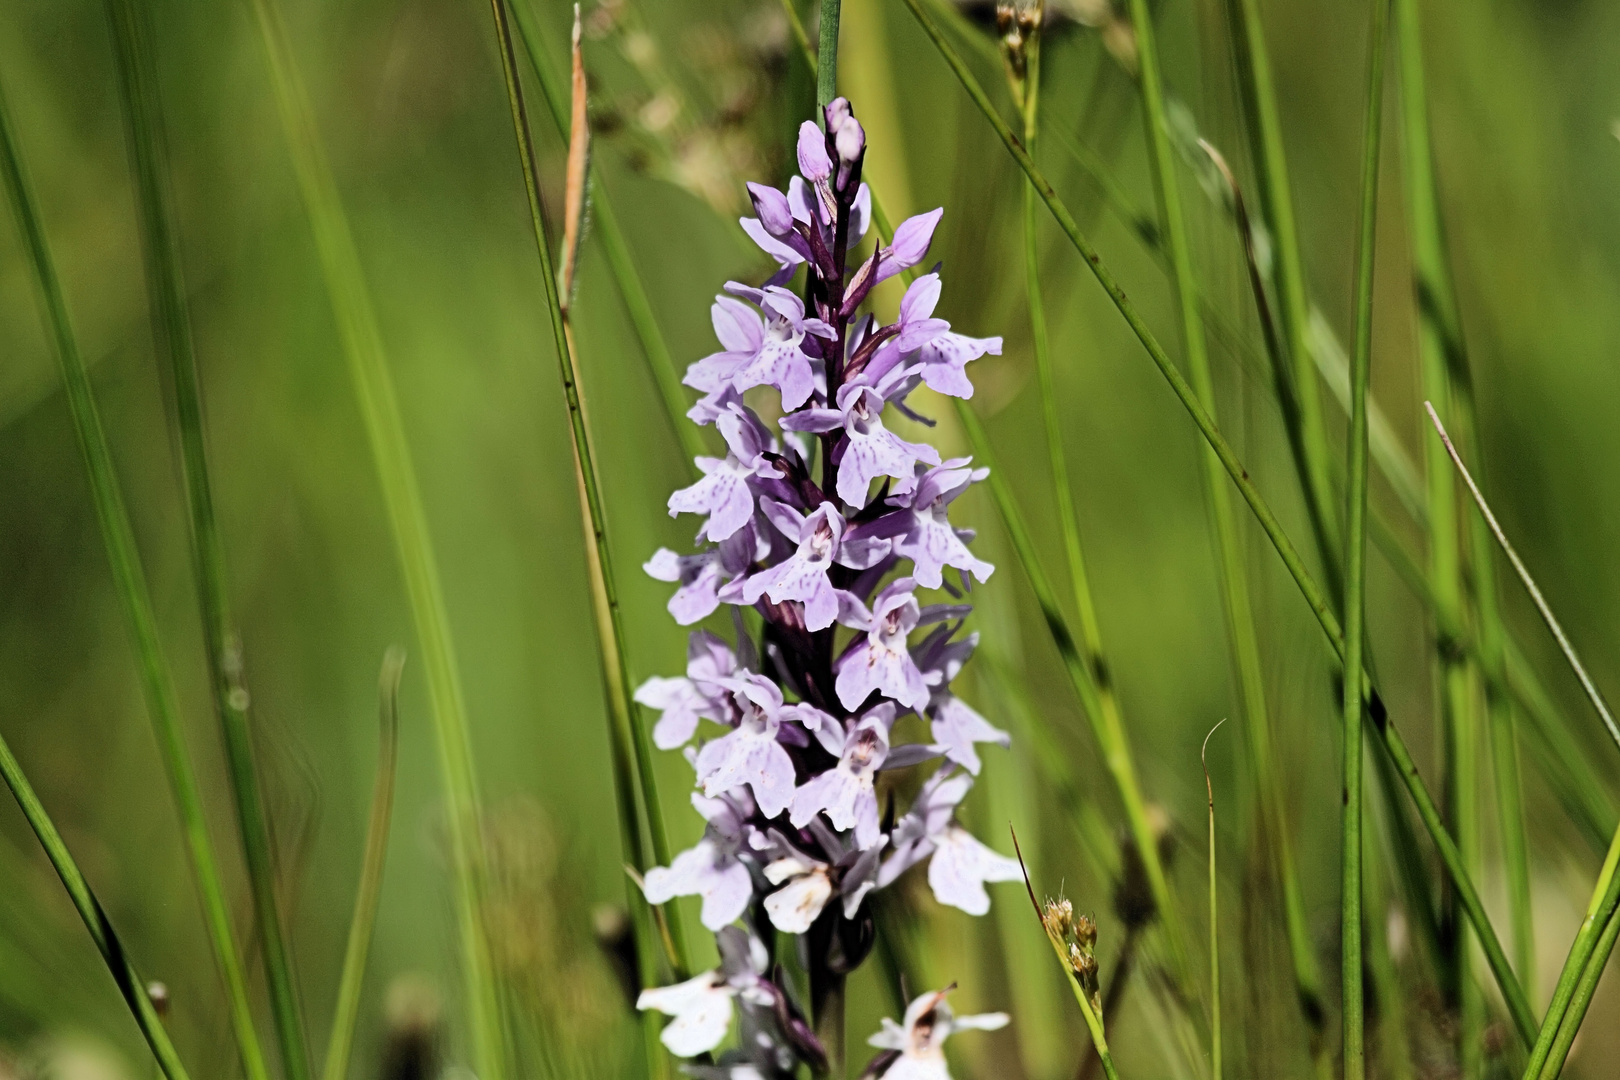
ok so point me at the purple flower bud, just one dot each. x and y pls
(850, 141)
(814, 164)
(773, 209)
(910, 245)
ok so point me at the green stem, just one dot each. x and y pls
(1307, 430)
(632, 290)
(378, 401)
(1241, 634)
(1355, 557)
(353, 977)
(1214, 923)
(171, 332)
(1582, 1000)
(118, 536)
(1600, 912)
(1312, 593)
(827, 53)
(630, 737)
(129, 981)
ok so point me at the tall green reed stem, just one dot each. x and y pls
(632, 290)
(118, 537)
(1601, 910)
(1355, 556)
(145, 131)
(1235, 593)
(340, 1042)
(1312, 593)
(1572, 774)
(1606, 894)
(1062, 487)
(1296, 376)
(630, 740)
(390, 450)
(130, 983)
(1582, 1000)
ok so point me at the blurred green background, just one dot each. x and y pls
(691, 97)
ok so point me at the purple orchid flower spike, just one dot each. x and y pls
(803, 576)
(701, 694)
(959, 865)
(929, 540)
(870, 449)
(795, 837)
(880, 661)
(714, 869)
(846, 794)
(750, 754)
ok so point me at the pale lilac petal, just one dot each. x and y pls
(957, 727)
(960, 867)
(702, 1012)
(910, 245)
(736, 325)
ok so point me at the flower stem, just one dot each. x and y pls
(827, 53)
(1355, 558)
(118, 537)
(1314, 597)
(129, 981)
(385, 431)
(171, 331)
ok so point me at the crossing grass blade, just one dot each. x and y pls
(1302, 405)
(145, 131)
(1314, 597)
(118, 537)
(385, 431)
(130, 983)
(346, 1013)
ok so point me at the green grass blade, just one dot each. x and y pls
(385, 431)
(130, 983)
(171, 331)
(1312, 593)
(1576, 1013)
(630, 737)
(631, 288)
(353, 977)
(1564, 645)
(1303, 414)
(1094, 1021)
(1214, 922)
(1600, 912)
(1241, 634)
(118, 537)
(1355, 559)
